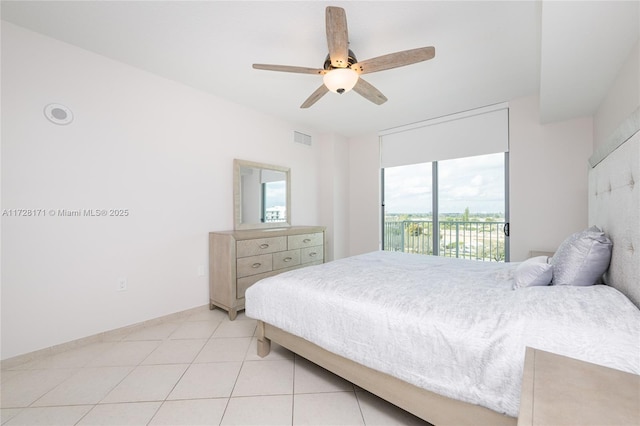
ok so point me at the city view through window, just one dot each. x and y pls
(470, 208)
(274, 201)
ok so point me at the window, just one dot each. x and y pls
(407, 209)
(274, 201)
(452, 208)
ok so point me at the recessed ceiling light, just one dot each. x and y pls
(58, 114)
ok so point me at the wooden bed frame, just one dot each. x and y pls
(616, 175)
(429, 406)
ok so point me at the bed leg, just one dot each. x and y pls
(264, 344)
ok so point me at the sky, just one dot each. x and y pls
(276, 194)
(473, 182)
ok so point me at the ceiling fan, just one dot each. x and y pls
(341, 71)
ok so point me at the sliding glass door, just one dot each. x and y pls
(408, 217)
(472, 207)
(454, 208)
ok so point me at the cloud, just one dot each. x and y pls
(473, 182)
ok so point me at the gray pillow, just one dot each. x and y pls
(534, 271)
(582, 258)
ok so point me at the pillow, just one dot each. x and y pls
(532, 272)
(582, 258)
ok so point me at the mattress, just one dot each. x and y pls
(452, 326)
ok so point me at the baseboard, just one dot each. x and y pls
(107, 336)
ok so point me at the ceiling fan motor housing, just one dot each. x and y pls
(350, 61)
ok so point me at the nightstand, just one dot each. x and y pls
(557, 390)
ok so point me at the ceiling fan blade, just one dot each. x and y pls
(337, 37)
(288, 68)
(394, 60)
(315, 96)
(368, 91)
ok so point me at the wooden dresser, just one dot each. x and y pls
(238, 259)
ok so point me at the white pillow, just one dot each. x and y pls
(582, 258)
(534, 271)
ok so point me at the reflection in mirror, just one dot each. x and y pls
(261, 195)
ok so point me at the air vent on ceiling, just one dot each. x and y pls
(301, 138)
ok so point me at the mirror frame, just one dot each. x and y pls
(237, 195)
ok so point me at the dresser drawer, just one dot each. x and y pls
(305, 240)
(253, 265)
(311, 254)
(246, 248)
(286, 259)
(245, 282)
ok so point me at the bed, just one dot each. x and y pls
(449, 345)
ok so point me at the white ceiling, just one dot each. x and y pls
(486, 52)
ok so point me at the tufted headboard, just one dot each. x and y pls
(614, 204)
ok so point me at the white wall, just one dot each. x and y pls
(364, 194)
(547, 178)
(548, 182)
(334, 194)
(139, 142)
(622, 99)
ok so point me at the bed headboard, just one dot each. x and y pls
(614, 204)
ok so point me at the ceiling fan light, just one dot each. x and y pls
(340, 80)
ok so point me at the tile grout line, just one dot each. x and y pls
(224, 412)
(141, 364)
(359, 405)
(162, 403)
(293, 396)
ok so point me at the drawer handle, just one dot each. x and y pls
(287, 259)
(313, 254)
(256, 265)
(306, 240)
(264, 246)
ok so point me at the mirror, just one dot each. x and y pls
(261, 195)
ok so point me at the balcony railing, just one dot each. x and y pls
(468, 240)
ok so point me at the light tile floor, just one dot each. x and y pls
(200, 370)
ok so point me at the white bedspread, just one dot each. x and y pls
(452, 326)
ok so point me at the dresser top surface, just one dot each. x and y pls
(247, 234)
